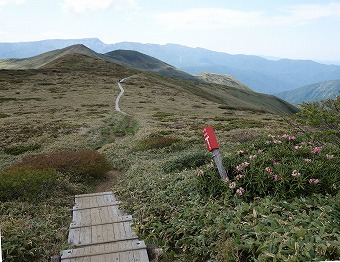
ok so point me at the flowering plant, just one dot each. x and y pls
(284, 166)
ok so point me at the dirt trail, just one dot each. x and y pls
(106, 185)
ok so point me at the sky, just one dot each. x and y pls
(274, 28)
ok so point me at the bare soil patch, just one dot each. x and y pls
(108, 182)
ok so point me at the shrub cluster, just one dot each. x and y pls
(32, 231)
(20, 149)
(27, 183)
(283, 166)
(324, 117)
(80, 165)
(189, 160)
(155, 142)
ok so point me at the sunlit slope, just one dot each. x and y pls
(222, 79)
(146, 86)
(45, 58)
(147, 63)
(145, 91)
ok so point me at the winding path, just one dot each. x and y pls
(120, 95)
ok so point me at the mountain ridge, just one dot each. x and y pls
(312, 93)
(228, 98)
(129, 58)
(258, 73)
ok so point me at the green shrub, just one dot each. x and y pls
(20, 149)
(27, 183)
(78, 165)
(325, 117)
(190, 227)
(284, 166)
(116, 126)
(32, 231)
(190, 160)
(155, 142)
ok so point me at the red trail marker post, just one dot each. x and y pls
(212, 145)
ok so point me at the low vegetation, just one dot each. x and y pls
(280, 204)
(61, 137)
(48, 181)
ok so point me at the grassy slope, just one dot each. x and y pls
(223, 80)
(58, 108)
(312, 93)
(45, 58)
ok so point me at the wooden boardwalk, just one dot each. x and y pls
(100, 232)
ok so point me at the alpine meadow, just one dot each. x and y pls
(61, 136)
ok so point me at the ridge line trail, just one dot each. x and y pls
(113, 174)
(120, 95)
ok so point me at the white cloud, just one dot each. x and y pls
(300, 14)
(79, 6)
(7, 2)
(208, 18)
(217, 18)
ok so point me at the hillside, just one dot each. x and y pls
(56, 115)
(260, 74)
(312, 93)
(222, 80)
(223, 96)
(137, 60)
(45, 58)
(73, 58)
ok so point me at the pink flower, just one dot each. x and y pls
(277, 141)
(285, 136)
(329, 156)
(275, 163)
(297, 147)
(316, 150)
(307, 160)
(241, 152)
(260, 150)
(313, 181)
(242, 166)
(252, 157)
(232, 185)
(240, 191)
(276, 177)
(296, 173)
(269, 170)
(239, 176)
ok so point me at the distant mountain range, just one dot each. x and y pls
(260, 74)
(127, 58)
(312, 93)
(226, 91)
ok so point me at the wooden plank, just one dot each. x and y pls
(97, 206)
(104, 220)
(143, 256)
(91, 234)
(106, 242)
(110, 248)
(74, 236)
(93, 194)
(101, 232)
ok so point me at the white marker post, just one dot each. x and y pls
(212, 145)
